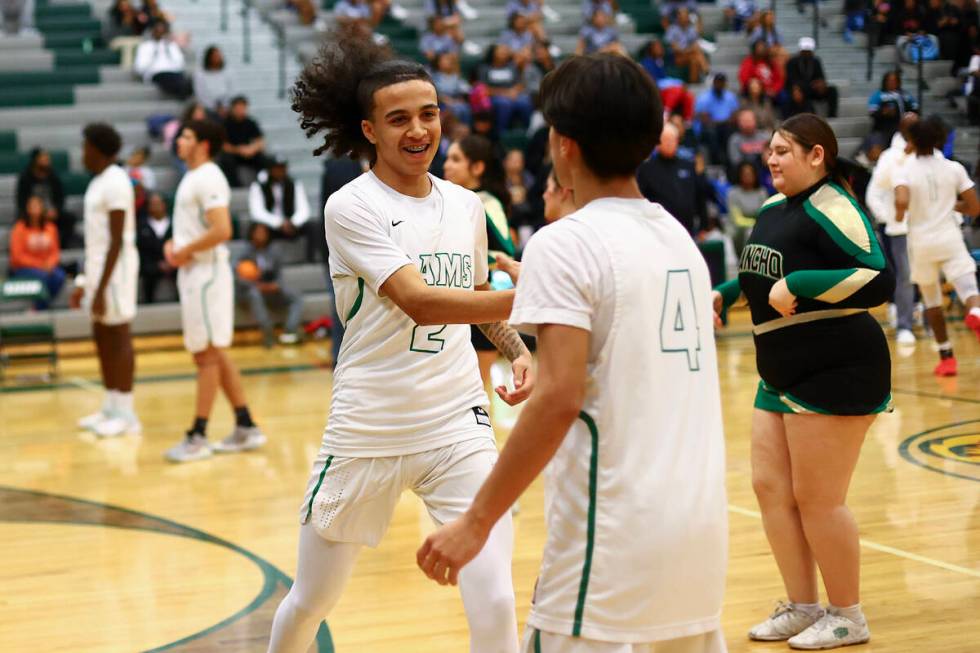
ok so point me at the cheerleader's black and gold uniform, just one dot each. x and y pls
(498, 240)
(831, 356)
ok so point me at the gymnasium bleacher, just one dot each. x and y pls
(54, 82)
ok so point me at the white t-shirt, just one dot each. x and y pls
(934, 184)
(200, 190)
(398, 386)
(636, 511)
(880, 195)
(110, 190)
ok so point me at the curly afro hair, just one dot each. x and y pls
(335, 91)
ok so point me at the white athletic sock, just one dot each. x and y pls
(945, 346)
(975, 311)
(852, 612)
(124, 403)
(808, 608)
(112, 401)
(107, 402)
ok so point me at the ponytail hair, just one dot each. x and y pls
(335, 91)
(479, 149)
(809, 130)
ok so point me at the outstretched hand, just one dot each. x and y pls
(523, 368)
(447, 550)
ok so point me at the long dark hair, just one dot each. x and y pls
(335, 91)
(206, 62)
(810, 130)
(479, 149)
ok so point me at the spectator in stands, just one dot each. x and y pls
(161, 61)
(747, 143)
(152, 232)
(673, 182)
(683, 36)
(258, 273)
(715, 109)
(687, 142)
(655, 59)
(518, 37)
(972, 87)
(599, 35)
(806, 70)
(558, 200)
(39, 178)
(855, 15)
(519, 181)
(796, 102)
(541, 64)
(738, 12)
(532, 10)
(448, 11)
(280, 202)
(881, 23)
(305, 10)
(766, 31)
(744, 201)
(754, 99)
(436, 40)
(143, 178)
(125, 20)
(509, 99)
(156, 13)
(212, 82)
(452, 89)
(670, 8)
(759, 65)
(245, 142)
(887, 105)
(34, 250)
(356, 15)
(677, 100)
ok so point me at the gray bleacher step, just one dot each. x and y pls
(117, 93)
(27, 61)
(81, 114)
(20, 44)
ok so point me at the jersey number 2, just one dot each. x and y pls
(426, 340)
(679, 331)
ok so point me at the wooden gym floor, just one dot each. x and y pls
(105, 547)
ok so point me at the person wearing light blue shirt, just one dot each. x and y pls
(713, 110)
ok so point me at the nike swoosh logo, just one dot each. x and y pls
(395, 224)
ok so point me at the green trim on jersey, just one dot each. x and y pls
(829, 286)
(537, 641)
(775, 200)
(204, 299)
(583, 587)
(497, 223)
(316, 488)
(357, 302)
(771, 400)
(839, 215)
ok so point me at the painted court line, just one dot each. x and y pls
(84, 384)
(883, 548)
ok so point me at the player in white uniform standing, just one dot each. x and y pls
(108, 291)
(929, 189)
(627, 407)
(202, 224)
(407, 251)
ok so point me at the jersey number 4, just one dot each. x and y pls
(427, 340)
(679, 331)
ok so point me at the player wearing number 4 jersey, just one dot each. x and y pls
(630, 427)
(407, 252)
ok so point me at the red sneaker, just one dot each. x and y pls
(946, 367)
(972, 320)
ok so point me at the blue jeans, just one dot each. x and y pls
(52, 280)
(904, 289)
(505, 110)
(258, 302)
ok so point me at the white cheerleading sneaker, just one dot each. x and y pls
(119, 424)
(831, 631)
(243, 438)
(89, 422)
(785, 622)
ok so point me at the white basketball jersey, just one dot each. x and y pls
(637, 521)
(110, 190)
(200, 190)
(935, 183)
(399, 386)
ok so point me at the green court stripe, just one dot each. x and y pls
(319, 481)
(357, 302)
(271, 575)
(583, 587)
(163, 378)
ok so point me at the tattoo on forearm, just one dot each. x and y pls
(505, 339)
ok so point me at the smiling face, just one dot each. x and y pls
(404, 128)
(793, 168)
